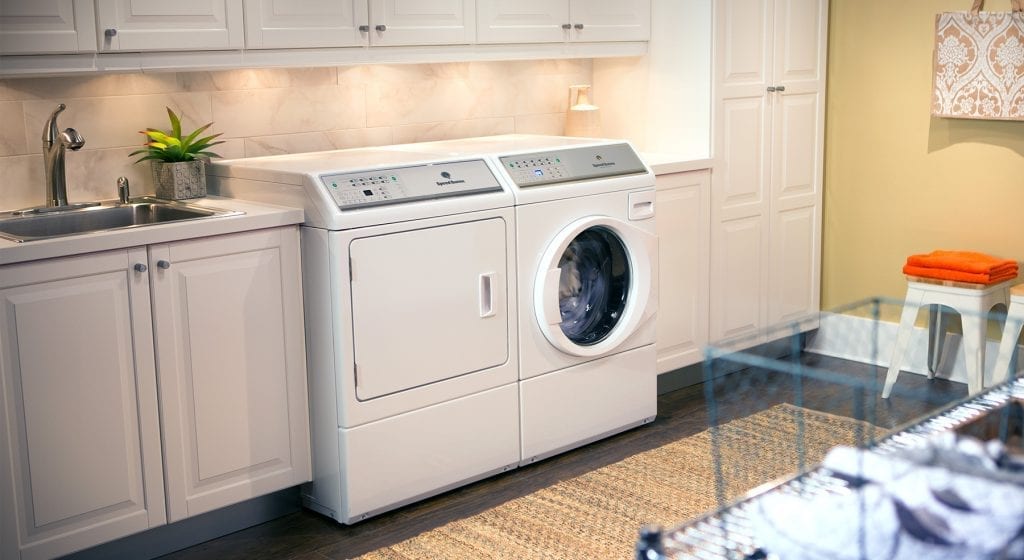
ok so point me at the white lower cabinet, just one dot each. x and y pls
(86, 340)
(684, 211)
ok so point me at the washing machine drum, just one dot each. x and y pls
(593, 285)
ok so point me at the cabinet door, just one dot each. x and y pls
(740, 184)
(80, 439)
(158, 25)
(610, 20)
(422, 22)
(280, 24)
(231, 361)
(683, 225)
(798, 144)
(47, 26)
(523, 21)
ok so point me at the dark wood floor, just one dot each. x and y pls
(308, 536)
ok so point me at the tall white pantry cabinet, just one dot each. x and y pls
(769, 115)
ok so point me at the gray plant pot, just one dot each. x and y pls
(179, 180)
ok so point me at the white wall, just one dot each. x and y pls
(662, 102)
(271, 111)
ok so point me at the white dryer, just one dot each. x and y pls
(409, 287)
(587, 258)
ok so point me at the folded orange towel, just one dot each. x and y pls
(958, 275)
(964, 261)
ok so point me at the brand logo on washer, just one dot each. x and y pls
(449, 180)
(601, 162)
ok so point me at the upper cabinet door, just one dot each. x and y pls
(523, 21)
(47, 26)
(422, 22)
(282, 24)
(610, 20)
(159, 25)
(801, 41)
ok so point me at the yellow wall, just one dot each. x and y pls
(898, 181)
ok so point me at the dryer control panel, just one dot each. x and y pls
(397, 185)
(572, 164)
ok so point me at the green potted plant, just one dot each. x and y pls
(178, 160)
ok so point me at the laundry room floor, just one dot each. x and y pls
(309, 536)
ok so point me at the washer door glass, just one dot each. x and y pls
(593, 285)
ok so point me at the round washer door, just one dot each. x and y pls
(593, 285)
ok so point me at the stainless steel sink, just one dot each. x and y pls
(27, 226)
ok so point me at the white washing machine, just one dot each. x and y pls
(587, 258)
(409, 288)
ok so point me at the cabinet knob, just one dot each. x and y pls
(578, 26)
(108, 33)
(162, 264)
(139, 267)
(567, 26)
(771, 89)
(364, 28)
(382, 28)
(780, 88)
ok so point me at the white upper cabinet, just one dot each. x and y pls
(523, 21)
(56, 37)
(47, 26)
(422, 22)
(610, 20)
(281, 24)
(546, 21)
(158, 25)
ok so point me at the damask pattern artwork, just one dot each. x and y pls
(979, 65)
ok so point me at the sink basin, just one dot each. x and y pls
(49, 224)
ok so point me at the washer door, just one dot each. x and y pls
(593, 285)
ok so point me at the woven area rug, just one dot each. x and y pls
(597, 514)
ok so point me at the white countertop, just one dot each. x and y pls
(662, 163)
(257, 216)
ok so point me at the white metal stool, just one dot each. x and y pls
(971, 301)
(1007, 345)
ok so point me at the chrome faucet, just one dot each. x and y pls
(54, 144)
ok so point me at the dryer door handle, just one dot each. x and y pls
(486, 292)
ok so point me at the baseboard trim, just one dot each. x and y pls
(870, 341)
(166, 539)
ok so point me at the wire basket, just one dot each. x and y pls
(798, 428)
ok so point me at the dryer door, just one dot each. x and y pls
(594, 285)
(428, 305)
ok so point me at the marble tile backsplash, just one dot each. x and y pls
(271, 111)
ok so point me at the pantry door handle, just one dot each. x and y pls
(578, 26)
(487, 295)
(364, 28)
(566, 26)
(771, 89)
(382, 28)
(780, 88)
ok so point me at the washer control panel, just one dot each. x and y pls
(362, 189)
(572, 164)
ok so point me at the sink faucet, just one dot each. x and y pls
(54, 144)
